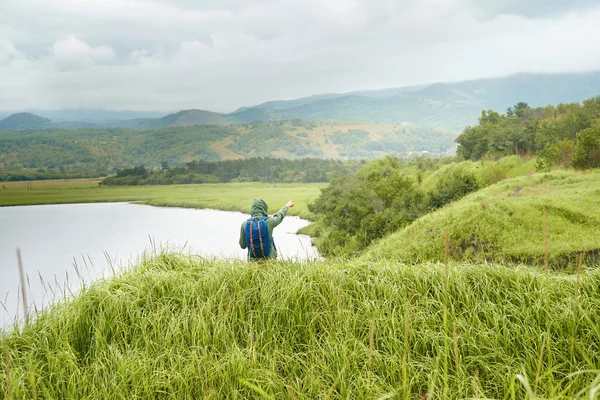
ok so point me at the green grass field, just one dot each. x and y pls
(180, 326)
(225, 196)
(505, 222)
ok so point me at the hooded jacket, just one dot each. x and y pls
(259, 208)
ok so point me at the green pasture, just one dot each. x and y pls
(225, 196)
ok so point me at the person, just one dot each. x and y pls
(251, 239)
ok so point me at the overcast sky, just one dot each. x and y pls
(223, 54)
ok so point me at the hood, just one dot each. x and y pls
(259, 208)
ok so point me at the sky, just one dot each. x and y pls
(218, 55)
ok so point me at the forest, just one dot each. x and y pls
(87, 152)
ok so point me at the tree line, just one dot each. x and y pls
(567, 134)
(246, 170)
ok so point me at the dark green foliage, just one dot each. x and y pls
(587, 151)
(264, 139)
(560, 153)
(558, 135)
(456, 182)
(248, 170)
(358, 209)
(96, 152)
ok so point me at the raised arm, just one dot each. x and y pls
(277, 218)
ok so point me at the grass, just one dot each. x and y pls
(505, 222)
(487, 172)
(179, 326)
(225, 196)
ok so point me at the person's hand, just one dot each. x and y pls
(290, 204)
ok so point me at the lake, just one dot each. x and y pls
(54, 239)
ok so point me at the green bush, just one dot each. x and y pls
(456, 182)
(358, 209)
(587, 151)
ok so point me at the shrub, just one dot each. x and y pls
(454, 183)
(587, 151)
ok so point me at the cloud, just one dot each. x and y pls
(530, 8)
(8, 52)
(70, 53)
(220, 55)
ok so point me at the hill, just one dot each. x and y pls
(505, 222)
(99, 151)
(24, 121)
(185, 118)
(181, 326)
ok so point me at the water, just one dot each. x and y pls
(54, 239)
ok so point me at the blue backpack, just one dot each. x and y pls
(258, 241)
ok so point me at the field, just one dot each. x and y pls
(226, 196)
(180, 326)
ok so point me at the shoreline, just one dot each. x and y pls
(221, 196)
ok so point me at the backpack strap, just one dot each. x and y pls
(251, 241)
(262, 249)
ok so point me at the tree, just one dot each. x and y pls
(521, 109)
(587, 151)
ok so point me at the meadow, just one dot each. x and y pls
(179, 326)
(223, 196)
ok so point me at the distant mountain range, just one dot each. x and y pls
(449, 106)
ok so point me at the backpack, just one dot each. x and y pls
(258, 241)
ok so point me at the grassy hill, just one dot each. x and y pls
(185, 118)
(183, 327)
(24, 121)
(505, 222)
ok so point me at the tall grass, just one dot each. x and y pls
(180, 326)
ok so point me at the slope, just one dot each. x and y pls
(24, 121)
(505, 222)
(185, 118)
(104, 149)
(441, 105)
(181, 326)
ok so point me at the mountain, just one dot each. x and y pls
(186, 118)
(288, 104)
(24, 121)
(440, 105)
